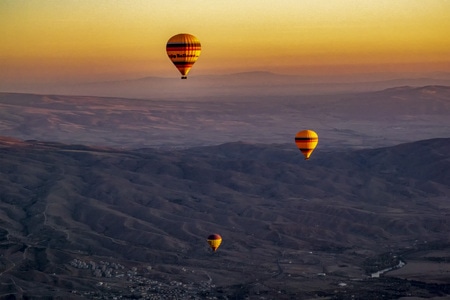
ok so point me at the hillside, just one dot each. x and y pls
(355, 120)
(87, 222)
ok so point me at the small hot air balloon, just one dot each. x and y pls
(306, 141)
(183, 50)
(214, 241)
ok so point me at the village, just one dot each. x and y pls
(115, 281)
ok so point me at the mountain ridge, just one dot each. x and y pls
(351, 120)
(253, 83)
(89, 216)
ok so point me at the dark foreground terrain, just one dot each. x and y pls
(100, 223)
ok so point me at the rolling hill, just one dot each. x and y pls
(83, 221)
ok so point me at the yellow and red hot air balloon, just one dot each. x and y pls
(306, 141)
(183, 50)
(214, 241)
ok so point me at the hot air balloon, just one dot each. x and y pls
(306, 141)
(183, 50)
(214, 241)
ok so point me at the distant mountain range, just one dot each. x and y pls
(95, 222)
(248, 84)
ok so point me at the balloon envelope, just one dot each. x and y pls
(214, 241)
(306, 141)
(183, 50)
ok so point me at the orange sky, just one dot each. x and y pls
(84, 40)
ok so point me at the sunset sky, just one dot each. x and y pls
(86, 40)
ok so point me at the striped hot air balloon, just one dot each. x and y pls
(183, 50)
(306, 141)
(214, 241)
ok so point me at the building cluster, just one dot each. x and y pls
(103, 268)
(122, 283)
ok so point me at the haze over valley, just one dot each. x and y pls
(357, 120)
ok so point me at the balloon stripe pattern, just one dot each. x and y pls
(214, 241)
(306, 141)
(183, 50)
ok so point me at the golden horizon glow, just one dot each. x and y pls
(95, 40)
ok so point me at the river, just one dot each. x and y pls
(377, 274)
